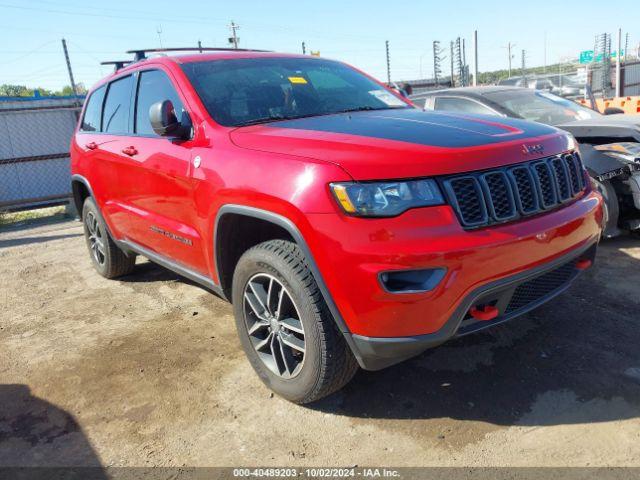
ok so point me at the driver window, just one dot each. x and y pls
(154, 86)
(463, 105)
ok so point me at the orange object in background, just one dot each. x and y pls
(630, 105)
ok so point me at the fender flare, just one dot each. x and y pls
(293, 230)
(79, 178)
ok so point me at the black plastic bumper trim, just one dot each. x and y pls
(376, 353)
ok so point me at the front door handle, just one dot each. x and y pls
(131, 151)
(91, 145)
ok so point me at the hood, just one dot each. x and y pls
(401, 143)
(617, 126)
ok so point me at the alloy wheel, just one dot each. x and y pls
(96, 238)
(274, 325)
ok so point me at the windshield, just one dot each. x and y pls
(539, 106)
(255, 90)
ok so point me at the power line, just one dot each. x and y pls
(27, 53)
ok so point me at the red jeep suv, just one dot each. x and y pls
(347, 227)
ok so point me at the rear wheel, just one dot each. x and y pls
(107, 258)
(285, 327)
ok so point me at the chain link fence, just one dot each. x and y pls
(34, 152)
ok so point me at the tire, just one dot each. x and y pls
(326, 364)
(611, 209)
(107, 258)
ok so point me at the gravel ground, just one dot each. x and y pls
(148, 371)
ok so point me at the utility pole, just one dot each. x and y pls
(304, 48)
(234, 37)
(626, 46)
(603, 50)
(386, 43)
(544, 68)
(159, 32)
(453, 83)
(524, 69)
(618, 55)
(200, 46)
(509, 48)
(475, 58)
(465, 70)
(66, 57)
(436, 62)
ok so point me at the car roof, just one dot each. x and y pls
(470, 91)
(183, 58)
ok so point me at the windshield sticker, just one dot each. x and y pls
(387, 97)
(298, 80)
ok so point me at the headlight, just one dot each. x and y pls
(386, 199)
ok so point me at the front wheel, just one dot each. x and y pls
(285, 327)
(610, 207)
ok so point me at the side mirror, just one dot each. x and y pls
(164, 122)
(613, 110)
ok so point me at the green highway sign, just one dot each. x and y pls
(586, 56)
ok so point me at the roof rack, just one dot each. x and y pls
(141, 53)
(117, 64)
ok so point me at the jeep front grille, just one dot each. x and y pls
(505, 194)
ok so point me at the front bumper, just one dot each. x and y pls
(352, 252)
(513, 296)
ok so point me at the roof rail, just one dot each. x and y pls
(117, 64)
(141, 53)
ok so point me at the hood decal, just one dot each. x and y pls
(422, 128)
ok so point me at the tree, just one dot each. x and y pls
(7, 90)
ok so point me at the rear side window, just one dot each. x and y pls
(457, 104)
(115, 117)
(91, 119)
(154, 86)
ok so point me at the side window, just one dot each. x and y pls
(115, 117)
(154, 86)
(419, 102)
(458, 104)
(91, 119)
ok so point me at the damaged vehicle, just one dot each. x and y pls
(609, 144)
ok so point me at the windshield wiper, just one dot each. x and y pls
(256, 121)
(276, 118)
(363, 108)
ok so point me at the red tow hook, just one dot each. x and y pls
(583, 264)
(485, 313)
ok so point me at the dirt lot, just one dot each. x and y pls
(148, 371)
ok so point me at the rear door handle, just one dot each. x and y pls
(131, 151)
(91, 145)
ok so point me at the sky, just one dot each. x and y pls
(351, 31)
